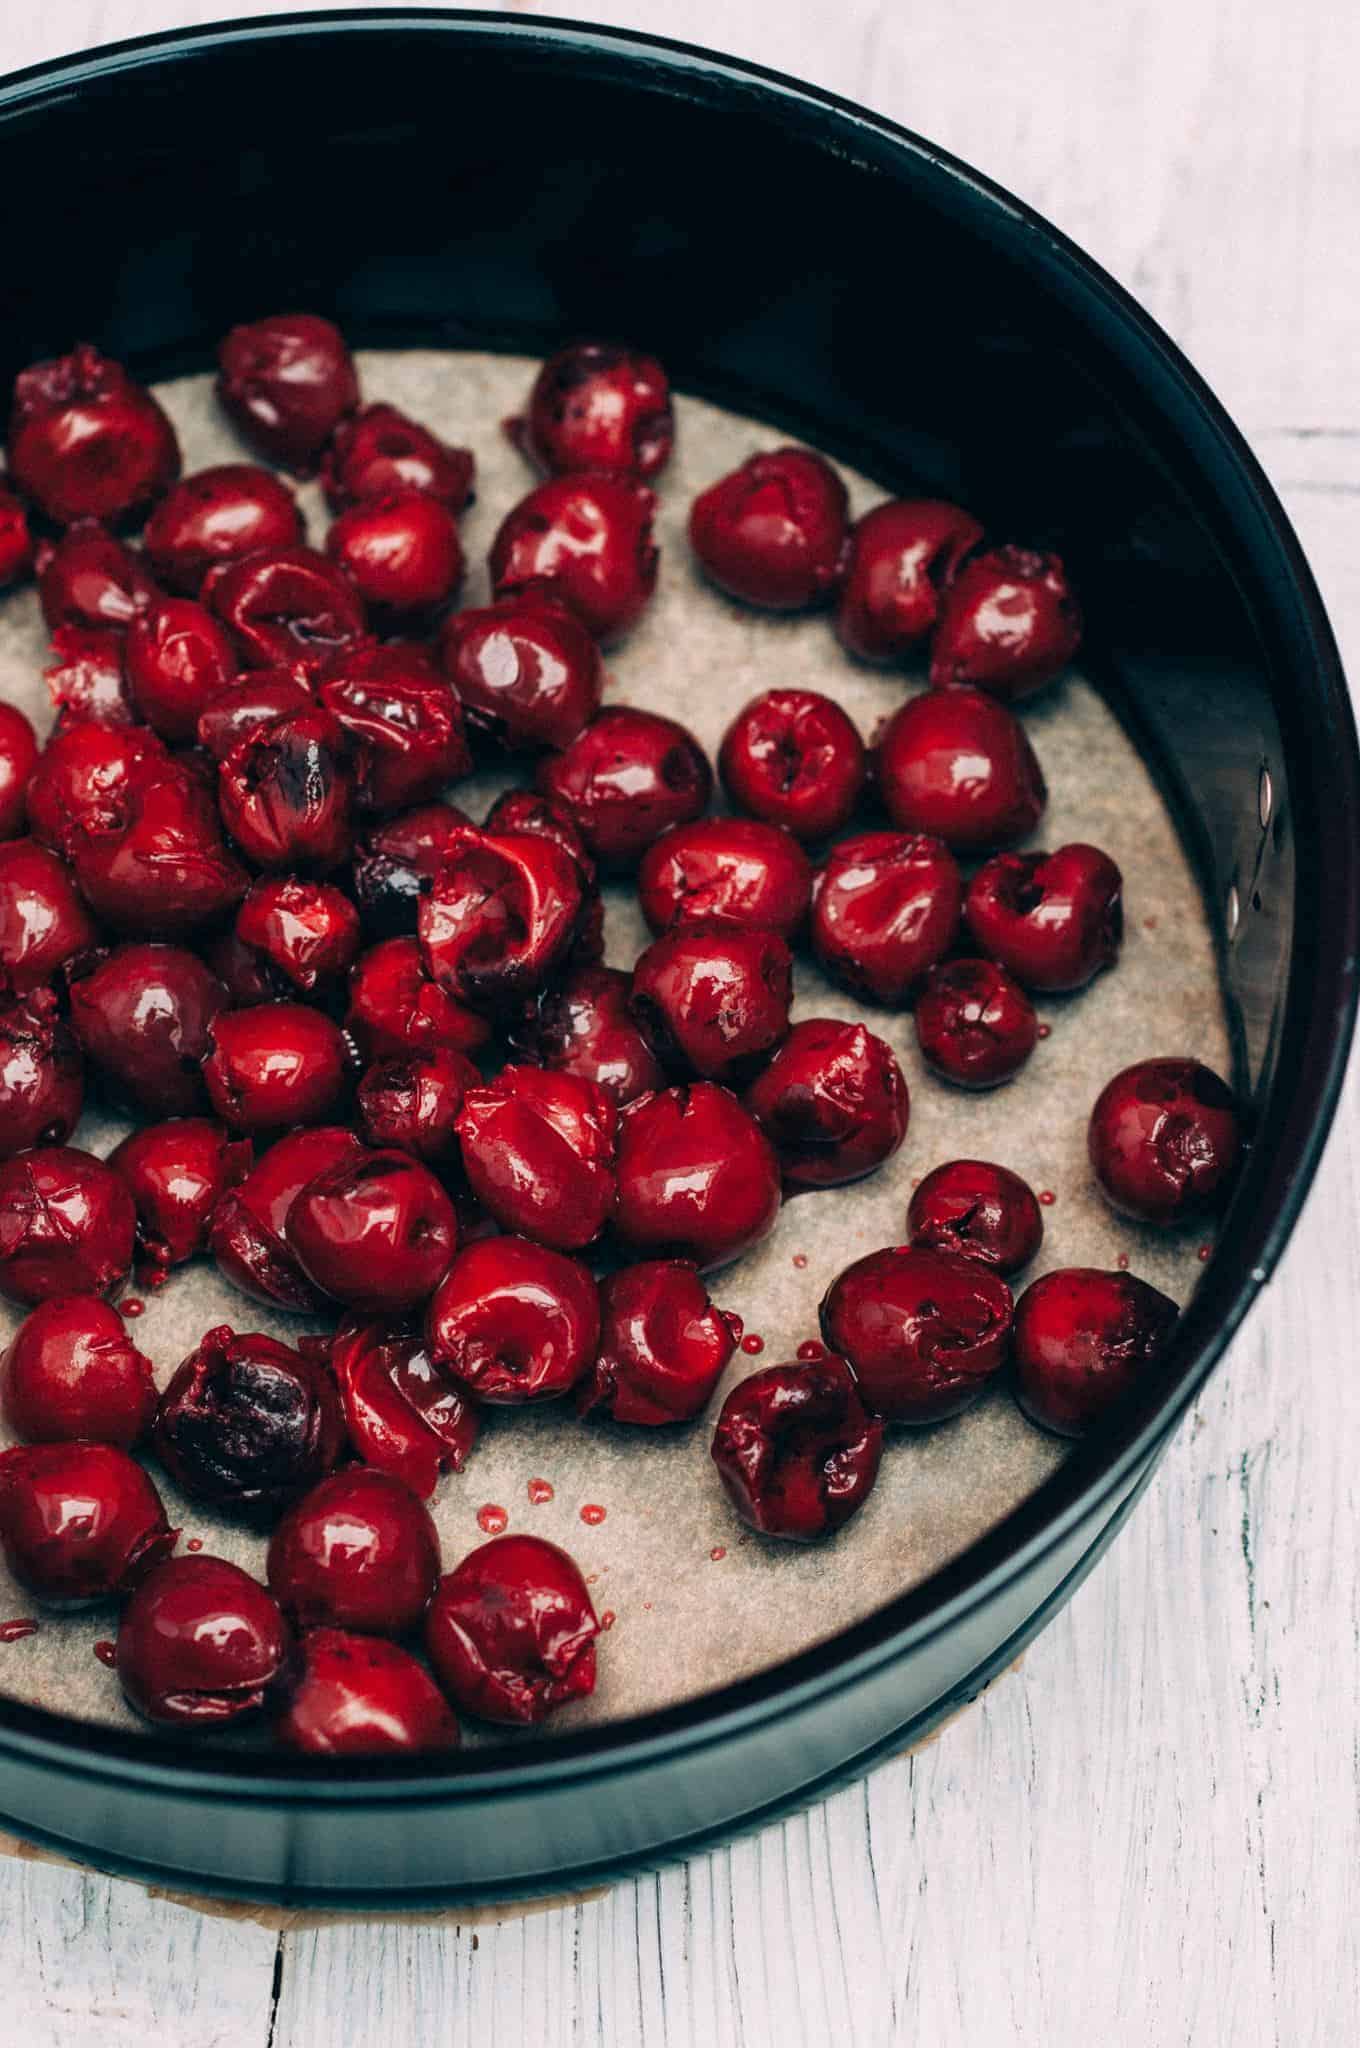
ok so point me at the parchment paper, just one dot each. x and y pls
(697, 1602)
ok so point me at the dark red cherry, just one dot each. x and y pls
(732, 871)
(88, 578)
(359, 1551)
(247, 1423)
(355, 1695)
(250, 703)
(286, 792)
(378, 450)
(79, 1521)
(663, 1345)
(527, 670)
(513, 1321)
(66, 1225)
(215, 516)
(625, 779)
(18, 758)
(376, 1231)
(404, 1416)
(885, 908)
(86, 442)
(713, 1000)
(396, 1007)
(72, 1371)
(957, 764)
(395, 863)
(586, 539)
(142, 1014)
(404, 723)
(43, 922)
(902, 559)
(16, 541)
(523, 810)
(832, 1102)
(773, 532)
(585, 1026)
(42, 1076)
(412, 1102)
(247, 976)
(1008, 624)
(79, 768)
(795, 1449)
(287, 381)
(286, 606)
(500, 917)
(538, 1151)
(1165, 1141)
(87, 679)
(1053, 920)
(595, 405)
(201, 1644)
(274, 1065)
(975, 1025)
(402, 554)
(980, 1211)
(246, 1233)
(177, 1172)
(923, 1330)
(697, 1177)
(793, 758)
(178, 661)
(1085, 1339)
(151, 859)
(306, 932)
(511, 1632)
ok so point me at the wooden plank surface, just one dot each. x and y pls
(1151, 1833)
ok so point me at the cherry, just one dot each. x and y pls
(500, 917)
(627, 777)
(375, 1231)
(975, 1025)
(285, 606)
(249, 704)
(514, 1321)
(72, 1371)
(404, 721)
(42, 1076)
(247, 1423)
(16, 542)
(538, 1152)
(88, 578)
(923, 1330)
(1165, 1139)
(285, 792)
(663, 1345)
(1008, 624)
(522, 810)
(360, 1552)
(1083, 1340)
(713, 1000)
(511, 1631)
(200, 1644)
(402, 554)
(773, 532)
(246, 1234)
(585, 539)
(795, 1449)
(150, 858)
(395, 863)
(957, 764)
(306, 934)
(832, 1102)
(79, 768)
(885, 908)
(274, 1065)
(903, 556)
(403, 1415)
(793, 758)
(378, 450)
(215, 516)
(177, 1172)
(86, 442)
(86, 681)
(395, 1006)
(1053, 920)
(141, 1014)
(595, 405)
(178, 661)
(584, 1026)
(697, 1177)
(287, 382)
(18, 758)
(43, 922)
(66, 1225)
(980, 1211)
(79, 1521)
(734, 871)
(527, 670)
(357, 1695)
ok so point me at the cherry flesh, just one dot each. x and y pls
(286, 790)
(378, 450)
(247, 1232)
(403, 720)
(304, 934)
(500, 917)
(286, 606)
(411, 1102)
(42, 1075)
(396, 1007)
(395, 863)
(585, 1026)
(403, 1414)
(151, 859)
(248, 1424)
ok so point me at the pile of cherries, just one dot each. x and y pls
(384, 1072)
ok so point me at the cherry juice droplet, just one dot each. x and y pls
(1206, 1252)
(718, 1552)
(608, 1618)
(592, 1513)
(810, 1349)
(1048, 1198)
(1045, 1031)
(106, 1652)
(15, 1631)
(752, 1344)
(194, 1543)
(800, 1260)
(132, 1307)
(1123, 1262)
(491, 1520)
(540, 1491)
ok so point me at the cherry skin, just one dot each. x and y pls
(16, 541)
(773, 532)
(713, 1000)
(902, 558)
(511, 1632)
(178, 661)
(307, 933)
(177, 1172)
(1053, 920)
(584, 1026)
(378, 450)
(72, 1372)
(43, 922)
(151, 859)
(396, 1007)
(274, 1065)
(796, 1450)
(1083, 1341)
(287, 381)
(625, 779)
(697, 1177)
(975, 1025)
(246, 1234)
(595, 405)
(201, 1644)
(733, 871)
(523, 810)
(1165, 1141)
(286, 791)
(395, 863)
(86, 442)
(216, 516)
(794, 758)
(248, 1424)
(79, 1521)
(357, 1695)
(832, 1102)
(286, 606)
(358, 1552)
(585, 539)
(957, 764)
(500, 917)
(538, 1152)
(66, 1225)
(412, 1103)
(141, 1014)
(404, 1416)
(86, 679)
(79, 767)
(18, 759)
(248, 704)
(42, 1076)
(1008, 624)
(88, 578)
(980, 1211)
(375, 1231)
(663, 1346)
(402, 554)
(403, 720)
(527, 671)
(923, 1330)
(885, 909)
(514, 1322)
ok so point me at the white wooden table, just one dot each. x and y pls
(1151, 1834)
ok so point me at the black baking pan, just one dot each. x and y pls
(474, 181)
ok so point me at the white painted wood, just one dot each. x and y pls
(1151, 1834)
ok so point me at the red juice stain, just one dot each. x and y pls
(1206, 1252)
(800, 1260)
(156, 1280)
(1149, 924)
(132, 1307)
(608, 1618)
(593, 1514)
(1048, 1198)
(646, 1606)
(540, 1490)
(15, 1631)
(194, 1543)
(106, 1652)
(1045, 1031)
(718, 1552)
(491, 1520)
(810, 1349)
(1123, 1262)
(592, 1578)
(734, 1323)
(752, 1344)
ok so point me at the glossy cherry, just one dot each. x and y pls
(402, 554)
(378, 450)
(376, 1231)
(885, 908)
(1008, 624)
(585, 1026)
(66, 1224)
(902, 558)
(72, 1371)
(201, 1644)
(89, 578)
(1165, 1140)
(697, 1177)
(86, 679)
(150, 859)
(246, 1234)
(586, 539)
(306, 933)
(1053, 920)
(595, 405)
(663, 1345)
(794, 758)
(511, 1632)
(1083, 1340)
(732, 871)
(247, 1423)
(79, 1521)
(42, 1076)
(923, 1330)
(359, 1551)
(957, 764)
(975, 1025)
(355, 1695)
(80, 766)
(514, 1322)
(404, 1416)
(832, 1102)
(713, 1000)
(538, 1152)
(286, 606)
(178, 660)
(18, 758)
(527, 670)
(274, 1065)
(795, 1449)
(773, 532)
(16, 541)
(177, 1172)
(287, 381)
(625, 779)
(141, 1014)
(404, 723)
(248, 704)
(500, 917)
(524, 810)
(980, 1211)
(395, 863)
(286, 791)
(43, 922)
(395, 1006)
(86, 442)
(216, 516)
